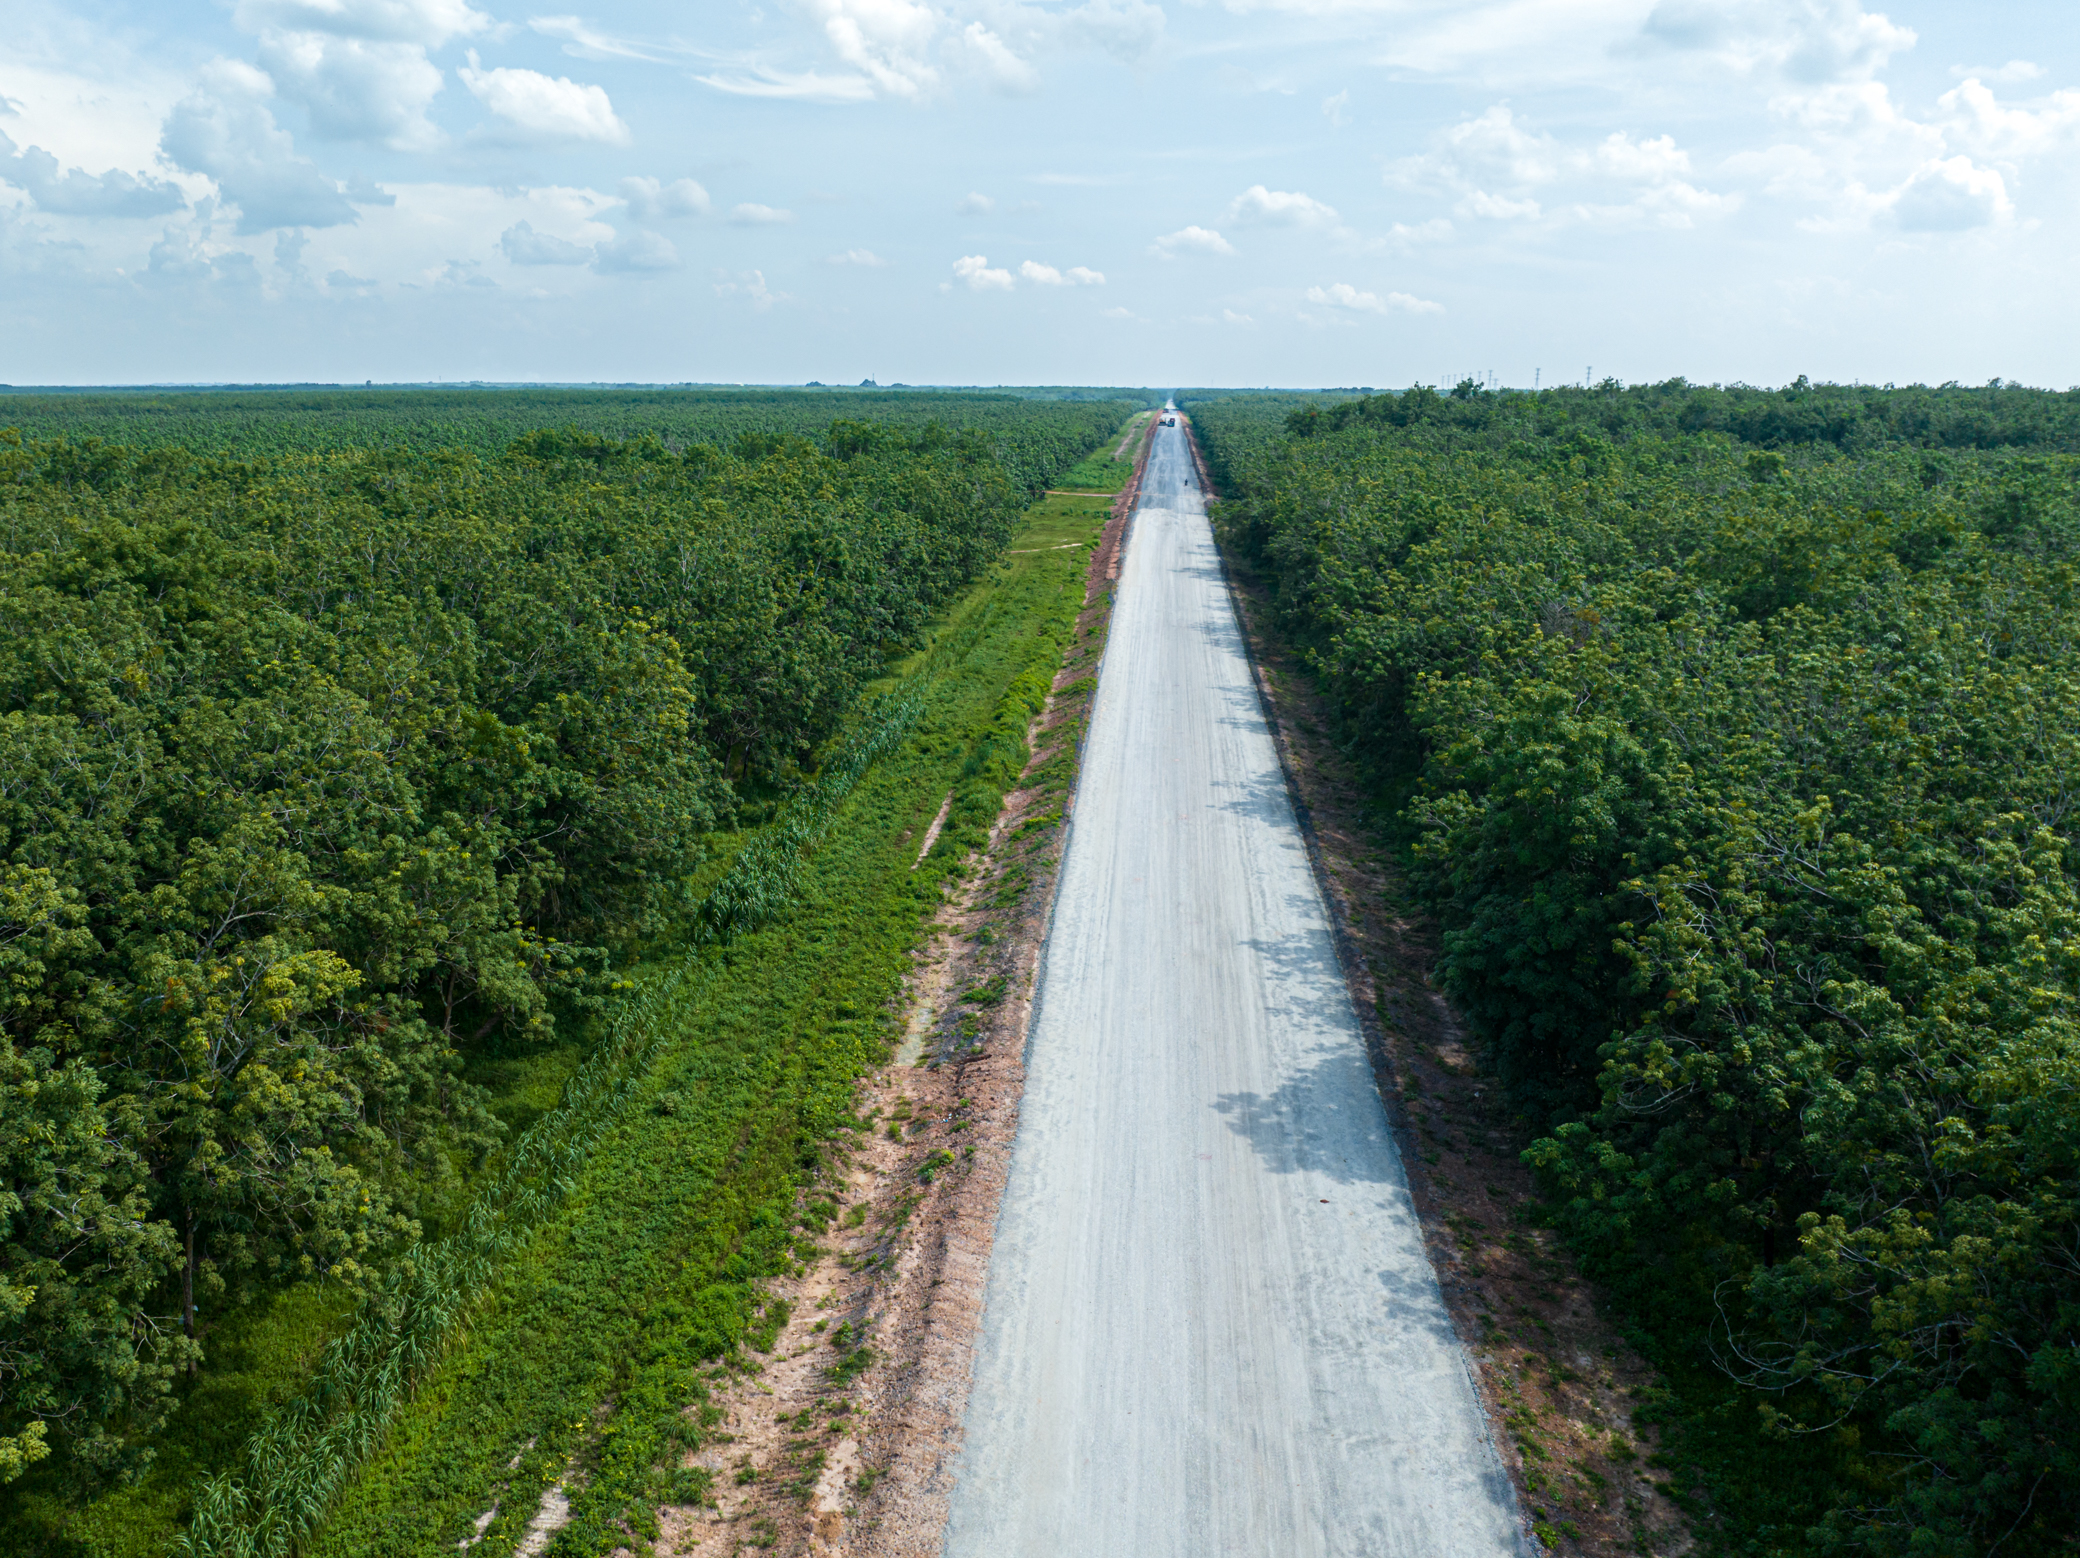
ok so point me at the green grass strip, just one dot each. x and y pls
(639, 1233)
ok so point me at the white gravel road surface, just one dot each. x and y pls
(1210, 1325)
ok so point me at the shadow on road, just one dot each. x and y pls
(1324, 1120)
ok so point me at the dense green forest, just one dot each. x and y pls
(325, 775)
(1731, 739)
(316, 418)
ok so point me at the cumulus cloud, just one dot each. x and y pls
(1074, 276)
(918, 50)
(360, 67)
(865, 257)
(1280, 208)
(75, 192)
(1974, 115)
(751, 284)
(1343, 295)
(1497, 170)
(226, 131)
(641, 250)
(1806, 41)
(535, 107)
(977, 272)
(648, 200)
(752, 214)
(524, 246)
(1949, 196)
(986, 55)
(889, 42)
(356, 90)
(1199, 240)
(972, 204)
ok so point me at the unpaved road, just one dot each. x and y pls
(1210, 1327)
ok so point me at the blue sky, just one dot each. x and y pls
(1013, 191)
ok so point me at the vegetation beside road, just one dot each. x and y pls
(346, 796)
(314, 419)
(1726, 733)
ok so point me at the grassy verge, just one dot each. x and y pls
(577, 1367)
(1103, 470)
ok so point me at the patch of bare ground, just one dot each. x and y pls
(1559, 1383)
(841, 1439)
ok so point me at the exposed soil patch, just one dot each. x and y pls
(841, 1439)
(1560, 1385)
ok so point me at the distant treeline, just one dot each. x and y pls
(1848, 417)
(314, 418)
(321, 772)
(1732, 736)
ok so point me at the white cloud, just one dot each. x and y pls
(751, 284)
(544, 108)
(1808, 41)
(648, 200)
(2014, 70)
(1498, 208)
(751, 214)
(1337, 109)
(524, 246)
(987, 55)
(359, 67)
(1048, 276)
(1203, 240)
(865, 257)
(1343, 295)
(888, 41)
(430, 23)
(972, 204)
(583, 41)
(355, 89)
(807, 86)
(641, 250)
(975, 270)
(1402, 236)
(1229, 316)
(1950, 196)
(1500, 171)
(1981, 121)
(225, 130)
(75, 192)
(921, 50)
(1280, 208)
